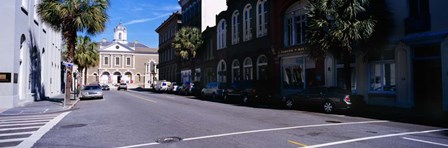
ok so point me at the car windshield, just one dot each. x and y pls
(91, 87)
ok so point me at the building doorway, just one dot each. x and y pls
(427, 78)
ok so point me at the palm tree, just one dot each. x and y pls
(86, 55)
(186, 42)
(335, 26)
(70, 17)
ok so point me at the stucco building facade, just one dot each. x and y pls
(30, 63)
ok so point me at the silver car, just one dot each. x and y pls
(91, 92)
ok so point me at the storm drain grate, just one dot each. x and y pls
(330, 121)
(168, 140)
(73, 125)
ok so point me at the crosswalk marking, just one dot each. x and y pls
(14, 122)
(23, 124)
(14, 134)
(24, 131)
(12, 140)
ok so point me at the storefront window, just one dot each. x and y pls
(293, 73)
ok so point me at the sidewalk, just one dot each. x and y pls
(434, 118)
(48, 106)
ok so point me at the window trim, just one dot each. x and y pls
(222, 34)
(128, 60)
(106, 60)
(261, 64)
(221, 63)
(117, 62)
(261, 18)
(234, 68)
(251, 66)
(235, 25)
(247, 28)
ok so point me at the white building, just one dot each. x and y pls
(30, 63)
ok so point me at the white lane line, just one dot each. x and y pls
(28, 121)
(427, 142)
(30, 141)
(374, 137)
(13, 134)
(19, 128)
(12, 140)
(23, 124)
(262, 130)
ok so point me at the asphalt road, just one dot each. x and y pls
(139, 119)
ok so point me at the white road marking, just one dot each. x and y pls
(23, 124)
(13, 134)
(30, 141)
(30, 119)
(19, 128)
(12, 140)
(27, 121)
(427, 142)
(262, 130)
(373, 137)
(26, 117)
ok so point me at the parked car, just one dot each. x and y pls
(91, 91)
(122, 86)
(213, 89)
(185, 89)
(249, 91)
(327, 99)
(172, 88)
(162, 86)
(105, 87)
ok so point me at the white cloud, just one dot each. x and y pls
(146, 19)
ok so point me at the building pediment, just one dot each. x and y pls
(117, 47)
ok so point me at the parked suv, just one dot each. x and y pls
(327, 99)
(122, 86)
(249, 91)
(213, 89)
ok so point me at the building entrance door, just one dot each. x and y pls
(427, 78)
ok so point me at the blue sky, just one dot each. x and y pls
(140, 17)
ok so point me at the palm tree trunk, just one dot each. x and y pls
(85, 76)
(348, 78)
(70, 36)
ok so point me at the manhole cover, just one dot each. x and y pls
(329, 121)
(73, 125)
(168, 140)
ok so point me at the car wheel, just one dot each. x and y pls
(328, 107)
(225, 98)
(246, 100)
(214, 96)
(289, 103)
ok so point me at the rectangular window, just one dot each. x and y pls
(117, 61)
(382, 77)
(128, 61)
(106, 60)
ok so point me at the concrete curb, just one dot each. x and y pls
(69, 108)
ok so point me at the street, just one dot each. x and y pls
(145, 119)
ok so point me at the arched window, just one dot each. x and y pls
(235, 70)
(248, 70)
(222, 34)
(295, 24)
(235, 24)
(247, 17)
(262, 18)
(119, 36)
(262, 67)
(222, 71)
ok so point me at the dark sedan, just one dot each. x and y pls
(327, 99)
(105, 87)
(249, 91)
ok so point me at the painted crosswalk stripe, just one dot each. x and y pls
(14, 134)
(49, 118)
(30, 121)
(26, 118)
(12, 140)
(21, 124)
(20, 128)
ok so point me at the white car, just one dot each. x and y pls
(162, 86)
